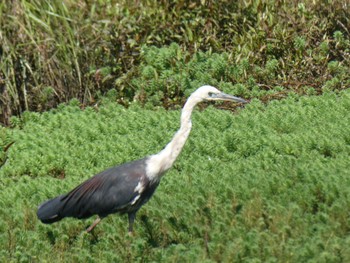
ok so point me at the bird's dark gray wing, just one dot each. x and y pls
(107, 192)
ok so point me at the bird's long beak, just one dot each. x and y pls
(228, 97)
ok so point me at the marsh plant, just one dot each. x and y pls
(53, 51)
(266, 183)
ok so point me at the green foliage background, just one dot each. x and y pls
(53, 51)
(265, 183)
(269, 183)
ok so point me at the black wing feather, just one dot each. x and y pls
(107, 192)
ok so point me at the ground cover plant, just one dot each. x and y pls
(53, 51)
(267, 183)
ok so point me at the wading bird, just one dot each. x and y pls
(125, 188)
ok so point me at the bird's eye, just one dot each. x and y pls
(211, 94)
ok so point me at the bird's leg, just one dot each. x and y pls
(131, 216)
(93, 225)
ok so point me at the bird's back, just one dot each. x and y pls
(123, 189)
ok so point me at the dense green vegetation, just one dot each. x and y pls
(269, 183)
(53, 51)
(265, 183)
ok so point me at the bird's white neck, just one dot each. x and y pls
(158, 164)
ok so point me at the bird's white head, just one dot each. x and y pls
(210, 93)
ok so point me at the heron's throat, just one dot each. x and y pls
(159, 163)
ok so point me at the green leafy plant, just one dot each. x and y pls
(51, 52)
(265, 183)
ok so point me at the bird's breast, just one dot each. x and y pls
(143, 192)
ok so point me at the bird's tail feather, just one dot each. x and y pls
(49, 211)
